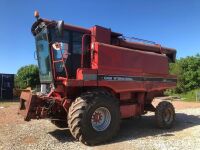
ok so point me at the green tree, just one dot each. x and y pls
(27, 76)
(188, 73)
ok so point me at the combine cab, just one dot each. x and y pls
(93, 78)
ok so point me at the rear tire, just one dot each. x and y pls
(94, 117)
(165, 115)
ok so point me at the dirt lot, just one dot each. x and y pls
(134, 134)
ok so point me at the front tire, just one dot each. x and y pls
(165, 115)
(94, 117)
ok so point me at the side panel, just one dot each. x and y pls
(101, 34)
(124, 61)
(145, 86)
(129, 110)
(88, 76)
(122, 69)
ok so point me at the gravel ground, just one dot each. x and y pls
(134, 134)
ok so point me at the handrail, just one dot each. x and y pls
(82, 48)
(56, 61)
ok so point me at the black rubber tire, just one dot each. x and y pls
(80, 113)
(59, 124)
(160, 115)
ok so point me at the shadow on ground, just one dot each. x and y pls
(62, 135)
(137, 128)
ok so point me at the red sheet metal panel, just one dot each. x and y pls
(171, 53)
(101, 34)
(123, 69)
(129, 110)
(123, 61)
(124, 86)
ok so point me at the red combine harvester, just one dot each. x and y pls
(93, 78)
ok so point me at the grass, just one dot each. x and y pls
(189, 96)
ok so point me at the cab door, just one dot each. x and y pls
(76, 52)
(77, 38)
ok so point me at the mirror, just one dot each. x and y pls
(60, 25)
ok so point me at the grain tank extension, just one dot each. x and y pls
(93, 78)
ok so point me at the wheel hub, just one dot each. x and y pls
(167, 115)
(96, 117)
(101, 119)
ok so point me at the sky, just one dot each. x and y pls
(172, 23)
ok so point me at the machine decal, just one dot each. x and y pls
(135, 78)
